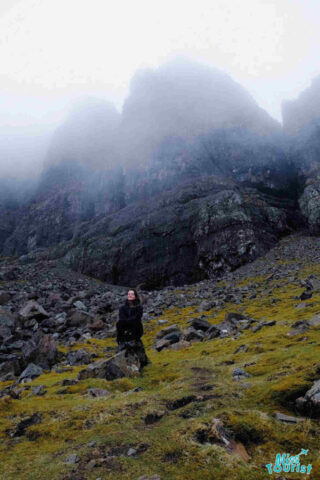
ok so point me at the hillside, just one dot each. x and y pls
(168, 422)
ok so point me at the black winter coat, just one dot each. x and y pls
(129, 325)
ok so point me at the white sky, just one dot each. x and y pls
(54, 50)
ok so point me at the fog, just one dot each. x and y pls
(93, 80)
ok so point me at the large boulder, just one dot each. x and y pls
(30, 373)
(32, 309)
(41, 350)
(167, 336)
(9, 369)
(79, 357)
(79, 318)
(127, 362)
(233, 324)
(309, 404)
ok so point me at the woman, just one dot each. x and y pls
(129, 325)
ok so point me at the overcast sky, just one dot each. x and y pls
(52, 51)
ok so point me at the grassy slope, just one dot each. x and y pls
(280, 366)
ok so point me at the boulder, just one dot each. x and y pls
(299, 327)
(127, 362)
(167, 330)
(315, 321)
(287, 418)
(199, 324)
(80, 305)
(79, 357)
(9, 369)
(305, 295)
(98, 392)
(41, 350)
(30, 373)
(4, 297)
(167, 336)
(237, 320)
(180, 345)
(79, 318)
(234, 317)
(313, 283)
(213, 332)
(161, 344)
(191, 333)
(96, 325)
(39, 390)
(310, 402)
(32, 309)
(206, 305)
(239, 374)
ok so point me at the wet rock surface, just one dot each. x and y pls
(220, 228)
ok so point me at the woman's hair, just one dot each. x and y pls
(138, 297)
(136, 301)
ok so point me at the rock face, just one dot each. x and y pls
(201, 228)
(197, 231)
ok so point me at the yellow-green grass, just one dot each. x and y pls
(281, 367)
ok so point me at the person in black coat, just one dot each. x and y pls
(129, 325)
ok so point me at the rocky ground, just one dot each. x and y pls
(233, 378)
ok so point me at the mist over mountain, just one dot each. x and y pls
(183, 99)
(23, 149)
(304, 112)
(188, 136)
(87, 136)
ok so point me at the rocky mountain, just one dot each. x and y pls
(196, 181)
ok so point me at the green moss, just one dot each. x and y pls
(281, 368)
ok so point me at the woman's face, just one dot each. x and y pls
(131, 295)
